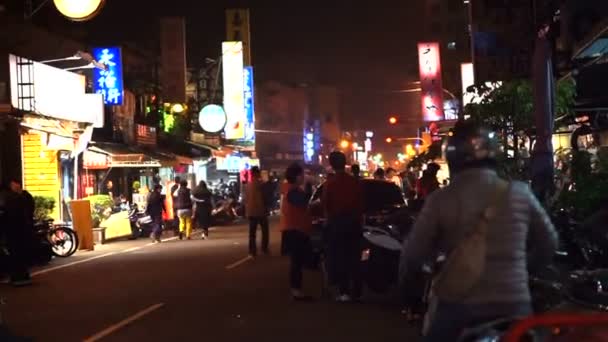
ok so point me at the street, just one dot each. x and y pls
(189, 291)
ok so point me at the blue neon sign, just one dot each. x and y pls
(249, 100)
(312, 141)
(109, 82)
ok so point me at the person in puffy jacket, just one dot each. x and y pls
(519, 235)
(183, 207)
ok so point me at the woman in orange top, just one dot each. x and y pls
(296, 225)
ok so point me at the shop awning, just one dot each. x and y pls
(595, 45)
(124, 156)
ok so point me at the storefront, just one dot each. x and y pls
(57, 120)
(118, 170)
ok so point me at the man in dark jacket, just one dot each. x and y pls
(155, 208)
(16, 234)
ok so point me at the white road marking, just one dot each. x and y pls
(115, 327)
(240, 262)
(132, 249)
(47, 270)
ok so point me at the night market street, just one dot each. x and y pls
(188, 291)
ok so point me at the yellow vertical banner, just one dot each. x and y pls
(83, 223)
(237, 30)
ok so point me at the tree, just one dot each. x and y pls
(508, 109)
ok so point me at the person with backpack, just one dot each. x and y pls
(491, 232)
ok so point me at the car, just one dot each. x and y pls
(382, 200)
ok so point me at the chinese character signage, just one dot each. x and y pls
(249, 104)
(234, 99)
(108, 82)
(430, 81)
(237, 29)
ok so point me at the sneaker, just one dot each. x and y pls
(188, 238)
(181, 235)
(204, 236)
(343, 298)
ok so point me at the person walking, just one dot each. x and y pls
(173, 195)
(155, 208)
(184, 210)
(203, 203)
(497, 229)
(296, 226)
(257, 212)
(343, 206)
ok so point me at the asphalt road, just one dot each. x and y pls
(189, 291)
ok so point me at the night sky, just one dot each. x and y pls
(363, 50)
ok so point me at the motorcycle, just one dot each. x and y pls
(141, 224)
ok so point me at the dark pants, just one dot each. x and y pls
(253, 227)
(450, 320)
(157, 227)
(203, 217)
(18, 245)
(345, 256)
(297, 246)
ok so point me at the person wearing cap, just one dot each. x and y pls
(342, 202)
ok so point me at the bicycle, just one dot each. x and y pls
(63, 239)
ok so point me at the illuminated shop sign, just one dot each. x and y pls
(109, 82)
(430, 81)
(234, 99)
(249, 104)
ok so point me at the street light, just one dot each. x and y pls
(344, 143)
(389, 140)
(392, 120)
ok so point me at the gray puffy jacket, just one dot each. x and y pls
(521, 234)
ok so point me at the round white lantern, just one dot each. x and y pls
(79, 10)
(212, 118)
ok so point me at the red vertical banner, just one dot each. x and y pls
(430, 81)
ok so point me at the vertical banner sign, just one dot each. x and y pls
(234, 99)
(108, 82)
(467, 76)
(249, 104)
(173, 59)
(430, 81)
(237, 30)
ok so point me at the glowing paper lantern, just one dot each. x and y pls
(79, 10)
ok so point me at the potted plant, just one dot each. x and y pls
(43, 207)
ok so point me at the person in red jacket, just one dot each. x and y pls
(296, 225)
